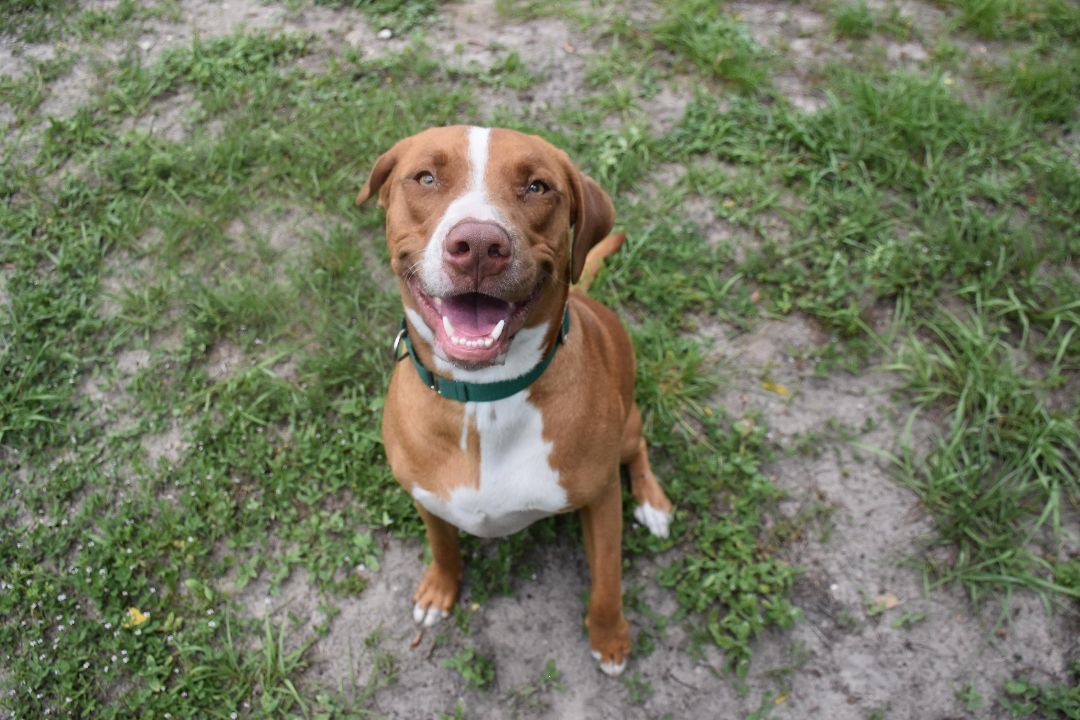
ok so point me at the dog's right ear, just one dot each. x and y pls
(376, 182)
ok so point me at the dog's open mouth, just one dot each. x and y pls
(473, 329)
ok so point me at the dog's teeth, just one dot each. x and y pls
(447, 326)
(497, 331)
(438, 302)
(456, 340)
(488, 342)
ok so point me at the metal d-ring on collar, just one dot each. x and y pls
(478, 392)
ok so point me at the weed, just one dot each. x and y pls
(529, 9)
(971, 698)
(998, 481)
(1024, 698)
(906, 620)
(638, 689)
(533, 697)
(714, 42)
(458, 714)
(401, 16)
(478, 671)
(1018, 18)
(1045, 85)
(853, 20)
(731, 579)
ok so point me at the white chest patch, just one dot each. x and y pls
(517, 483)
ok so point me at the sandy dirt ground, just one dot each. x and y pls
(841, 660)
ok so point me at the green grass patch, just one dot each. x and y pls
(401, 16)
(1018, 19)
(1001, 477)
(853, 20)
(1027, 699)
(906, 195)
(714, 42)
(1045, 85)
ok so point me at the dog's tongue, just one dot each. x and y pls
(474, 314)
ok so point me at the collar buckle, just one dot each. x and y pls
(402, 335)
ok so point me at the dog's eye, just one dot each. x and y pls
(425, 178)
(539, 187)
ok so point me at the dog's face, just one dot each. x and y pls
(478, 223)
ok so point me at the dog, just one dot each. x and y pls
(513, 397)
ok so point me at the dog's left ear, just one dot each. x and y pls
(592, 215)
(377, 179)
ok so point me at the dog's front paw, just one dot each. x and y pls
(435, 596)
(656, 520)
(610, 645)
(610, 667)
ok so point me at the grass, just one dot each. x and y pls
(1014, 19)
(1026, 699)
(912, 195)
(1001, 477)
(854, 20)
(714, 42)
(124, 567)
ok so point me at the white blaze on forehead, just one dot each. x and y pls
(478, 157)
(473, 204)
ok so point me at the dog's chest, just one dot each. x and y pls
(517, 484)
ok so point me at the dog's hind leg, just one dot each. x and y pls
(653, 507)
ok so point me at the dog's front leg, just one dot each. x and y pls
(609, 633)
(438, 589)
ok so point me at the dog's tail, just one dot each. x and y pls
(595, 259)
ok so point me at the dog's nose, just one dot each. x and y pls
(477, 249)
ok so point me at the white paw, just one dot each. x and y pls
(428, 616)
(609, 668)
(658, 521)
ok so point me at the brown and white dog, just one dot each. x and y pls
(478, 224)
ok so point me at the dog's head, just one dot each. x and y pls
(478, 223)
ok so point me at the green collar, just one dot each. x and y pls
(479, 392)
